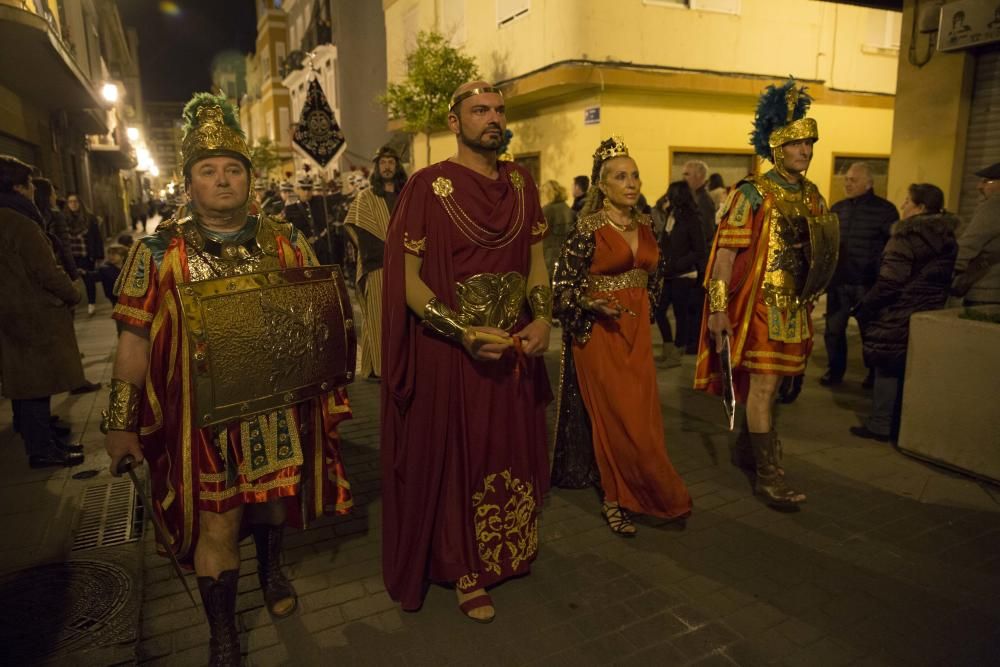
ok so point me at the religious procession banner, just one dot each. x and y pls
(317, 133)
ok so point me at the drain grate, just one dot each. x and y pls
(110, 514)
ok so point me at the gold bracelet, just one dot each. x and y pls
(540, 302)
(718, 296)
(123, 407)
(441, 319)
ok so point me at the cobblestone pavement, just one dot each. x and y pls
(892, 561)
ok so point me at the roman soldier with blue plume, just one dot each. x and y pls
(773, 254)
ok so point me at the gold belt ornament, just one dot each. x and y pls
(617, 281)
(491, 299)
(263, 341)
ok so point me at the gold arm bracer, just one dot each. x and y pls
(540, 302)
(718, 296)
(441, 319)
(123, 407)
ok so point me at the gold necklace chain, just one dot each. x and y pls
(484, 238)
(632, 224)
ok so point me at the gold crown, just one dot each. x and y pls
(212, 137)
(616, 149)
(474, 91)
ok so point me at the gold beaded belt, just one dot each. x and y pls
(633, 278)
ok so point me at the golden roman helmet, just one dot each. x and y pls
(781, 118)
(795, 129)
(211, 129)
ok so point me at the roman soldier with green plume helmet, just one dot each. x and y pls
(228, 375)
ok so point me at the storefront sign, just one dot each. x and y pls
(968, 23)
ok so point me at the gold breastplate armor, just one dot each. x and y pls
(210, 257)
(799, 246)
(491, 299)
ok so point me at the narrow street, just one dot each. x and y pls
(892, 561)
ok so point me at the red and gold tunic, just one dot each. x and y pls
(772, 332)
(464, 460)
(291, 453)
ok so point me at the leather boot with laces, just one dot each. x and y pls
(278, 593)
(219, 598)
(770, 484)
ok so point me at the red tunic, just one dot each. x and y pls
(218, 468)
(766, 339)
(464, 463)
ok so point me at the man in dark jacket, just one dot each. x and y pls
(865, 220)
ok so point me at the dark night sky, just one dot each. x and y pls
(177, 41)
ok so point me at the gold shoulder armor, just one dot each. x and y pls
(589, 224)
(645, 219)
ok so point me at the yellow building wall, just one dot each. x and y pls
(653, 124)
(928, 143)
(819, 40)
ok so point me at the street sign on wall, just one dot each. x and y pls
(592, 116)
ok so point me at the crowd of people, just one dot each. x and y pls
(461, 274)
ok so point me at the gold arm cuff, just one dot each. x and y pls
(123, 407)
(442, 320)
(540, 302)
(718, 296)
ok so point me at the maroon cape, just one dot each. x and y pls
(464, 462)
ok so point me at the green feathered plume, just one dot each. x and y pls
(229, 112)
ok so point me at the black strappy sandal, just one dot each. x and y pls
(618, 520)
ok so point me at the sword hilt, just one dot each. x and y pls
(125, 464)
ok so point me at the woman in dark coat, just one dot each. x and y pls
(682, 243)
(915, 275)
(54, 225)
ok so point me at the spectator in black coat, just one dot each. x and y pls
(682, 243)
(914, 275)
(580, 186)
(865, 220)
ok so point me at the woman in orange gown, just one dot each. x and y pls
(609, 419)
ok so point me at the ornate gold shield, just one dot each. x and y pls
(824, 243)
(266, 340)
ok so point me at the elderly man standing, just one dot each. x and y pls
(865, 220)
(208, 382)
(467, 314)
(367, 222)
(978, 266)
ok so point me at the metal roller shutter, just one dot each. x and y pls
(983, 144)
(22, 150)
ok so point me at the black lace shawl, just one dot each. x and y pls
(573, 464)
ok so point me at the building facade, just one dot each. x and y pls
(69, 112)
(676, 79)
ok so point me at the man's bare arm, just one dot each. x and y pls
(131, 364)
(722, 269)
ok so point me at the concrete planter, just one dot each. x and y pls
(951, 411)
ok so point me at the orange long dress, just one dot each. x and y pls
(617, 380)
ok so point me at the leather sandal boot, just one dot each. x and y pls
(770, 484)
(219, 598)
(279, 595)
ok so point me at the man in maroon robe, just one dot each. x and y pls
(466, 318)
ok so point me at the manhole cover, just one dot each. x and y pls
(55, 607)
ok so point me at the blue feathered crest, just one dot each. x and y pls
(772, 113)
(200, 100)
